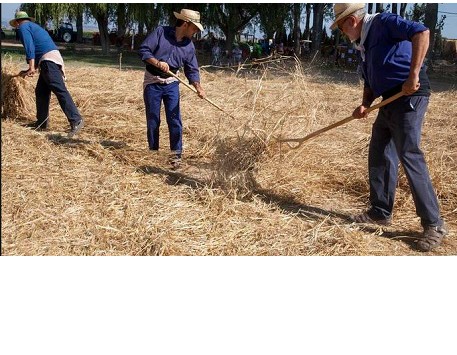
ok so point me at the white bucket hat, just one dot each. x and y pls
(191, 16)
(344, 9)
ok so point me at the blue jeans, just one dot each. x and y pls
(153, 96)
(51, 80)
(396, 136)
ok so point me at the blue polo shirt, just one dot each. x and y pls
(388, 51)
(36, 41)
(161, 44)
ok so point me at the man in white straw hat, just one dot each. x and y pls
(168, 49)
(42, 53)
(393, 51)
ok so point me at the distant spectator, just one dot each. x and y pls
(216, 54)
(280, 48)
(237, 54)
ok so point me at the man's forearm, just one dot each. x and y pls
(368, 96)
(32, 64)
(420, 42)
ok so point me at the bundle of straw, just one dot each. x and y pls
(18, 99)
(235, 161)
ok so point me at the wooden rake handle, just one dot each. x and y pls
(20, 74)
(337, 124)
(195, 90)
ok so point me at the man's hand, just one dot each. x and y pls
(411, 85)
(200, 91)
(163, 66)
(22, 73)
(31, 72)
(360, 112)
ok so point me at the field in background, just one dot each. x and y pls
(239, 192)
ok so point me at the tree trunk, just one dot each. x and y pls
(370, 7)
(296, 37)
(79, 28)
(431, 18)
(121, 25)
(102, 21)
(403, 9)
(318, 21)
(140, 28)
(230, 38)
(308, 16)
(121, 20)
(394, 8)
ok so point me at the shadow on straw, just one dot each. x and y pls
(290, 205)
(63, 140)
(407, 237)
(113, 145)
(173, 177)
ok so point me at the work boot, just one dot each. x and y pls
(75, 128)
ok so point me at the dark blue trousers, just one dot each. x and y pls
(51, 80)
(153, 96)
(396, 136)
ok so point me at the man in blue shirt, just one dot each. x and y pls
(393, 51)
(168, 49)
(42, 53)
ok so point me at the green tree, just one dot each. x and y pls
(430, 21)
(56, 12)
(231, 19)
(297, 10)
(102, 13)
(318, 23)
(272, 18)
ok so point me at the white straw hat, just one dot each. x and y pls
(344, 9)
(191, 16)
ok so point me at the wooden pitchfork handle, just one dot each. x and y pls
(195, 90)
(337, 124)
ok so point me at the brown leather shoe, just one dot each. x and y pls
(366, 218)
(432, 237)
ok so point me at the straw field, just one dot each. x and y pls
(239, 192)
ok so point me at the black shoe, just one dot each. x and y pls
(38, 126)
(75, 128)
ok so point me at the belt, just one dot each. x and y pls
(157, 72)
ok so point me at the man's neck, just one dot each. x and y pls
(179, 33)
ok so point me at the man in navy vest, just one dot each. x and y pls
(393, 51)
(168, 49)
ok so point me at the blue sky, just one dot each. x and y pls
(449, 30)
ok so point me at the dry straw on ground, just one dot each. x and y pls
(239, 191)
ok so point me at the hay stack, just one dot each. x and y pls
(18, 98)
